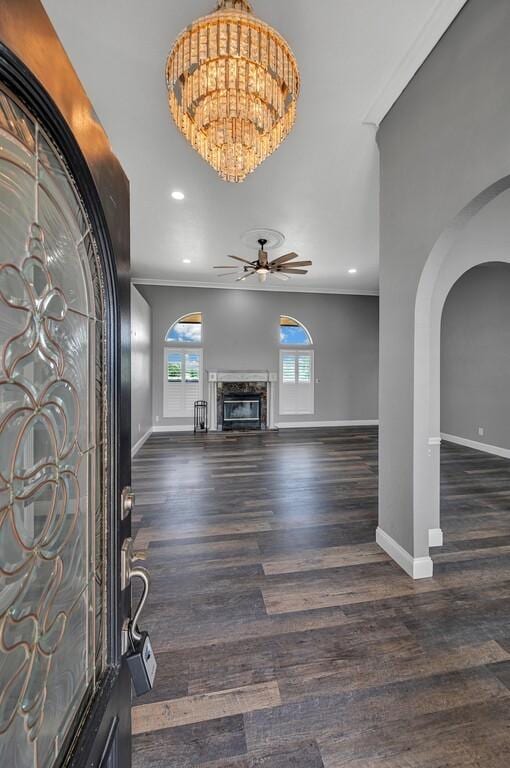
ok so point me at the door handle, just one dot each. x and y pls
(131, 571)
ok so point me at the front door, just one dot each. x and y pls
(64, 410)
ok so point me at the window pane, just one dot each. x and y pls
(304, 369)
(192, 367)
(174, 366)
(293, 334)
(289, 369)
(187, 330)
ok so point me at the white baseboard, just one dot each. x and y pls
(416, 567)
(283, 425)
(318, 424)
(435, 537)
(136, 447)
(484, 447)
(176, 428)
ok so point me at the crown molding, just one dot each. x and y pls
(442, 16)
(276, 288)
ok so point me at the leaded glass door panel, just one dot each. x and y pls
(53, 416)
(64, 412)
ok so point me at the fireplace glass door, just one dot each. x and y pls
(52, 448)
(241, 410)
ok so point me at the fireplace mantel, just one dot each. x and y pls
(215, 377)
(242, 376)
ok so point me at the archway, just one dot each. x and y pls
(459, 248)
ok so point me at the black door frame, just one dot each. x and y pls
(35, 67)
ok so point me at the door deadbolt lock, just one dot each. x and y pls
(127, 501)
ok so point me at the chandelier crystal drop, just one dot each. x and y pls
(233, 85)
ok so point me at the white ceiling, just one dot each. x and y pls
(320, 188)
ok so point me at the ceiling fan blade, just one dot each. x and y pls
(283, 259)
(294, 271)
(280, 276)
(228, 266)
(227, 274)
(238, 258)
(243, 277)
(300, 264)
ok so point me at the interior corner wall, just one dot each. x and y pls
(241, 332)
(141, 362)
(475, 356)
(446, 139)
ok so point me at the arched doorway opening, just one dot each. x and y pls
(479, 234)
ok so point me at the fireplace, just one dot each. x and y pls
(242, 411)
(254, 385)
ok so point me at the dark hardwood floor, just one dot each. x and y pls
(286, 639)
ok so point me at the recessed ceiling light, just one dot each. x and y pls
(178, 195)
(186, 261)
(353, 271)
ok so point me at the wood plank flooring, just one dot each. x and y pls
(286, 639)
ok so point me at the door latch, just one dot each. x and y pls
(127, 502)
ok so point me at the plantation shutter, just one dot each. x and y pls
(182, 382)
(296, 382)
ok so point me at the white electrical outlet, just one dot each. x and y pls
(481, 431)
(139, 428)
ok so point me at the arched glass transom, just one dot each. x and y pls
(293, 333)
(52, 447)
(186, 330)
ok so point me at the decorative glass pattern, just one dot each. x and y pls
(52, 448)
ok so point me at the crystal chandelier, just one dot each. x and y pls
(233, 84)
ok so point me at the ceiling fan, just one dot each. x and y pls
(282, 267)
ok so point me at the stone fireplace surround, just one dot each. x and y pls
(261, 383)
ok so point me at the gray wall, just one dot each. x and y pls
(475, 356)
(241, 332)
(141, 363)
(446, 139)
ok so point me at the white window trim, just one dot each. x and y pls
(182, 350)
(291, 411)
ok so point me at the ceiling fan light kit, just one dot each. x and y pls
(233, 84)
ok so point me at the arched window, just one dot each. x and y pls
(293, 333)
(296, 368)
(186, 330)
(183, 383)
